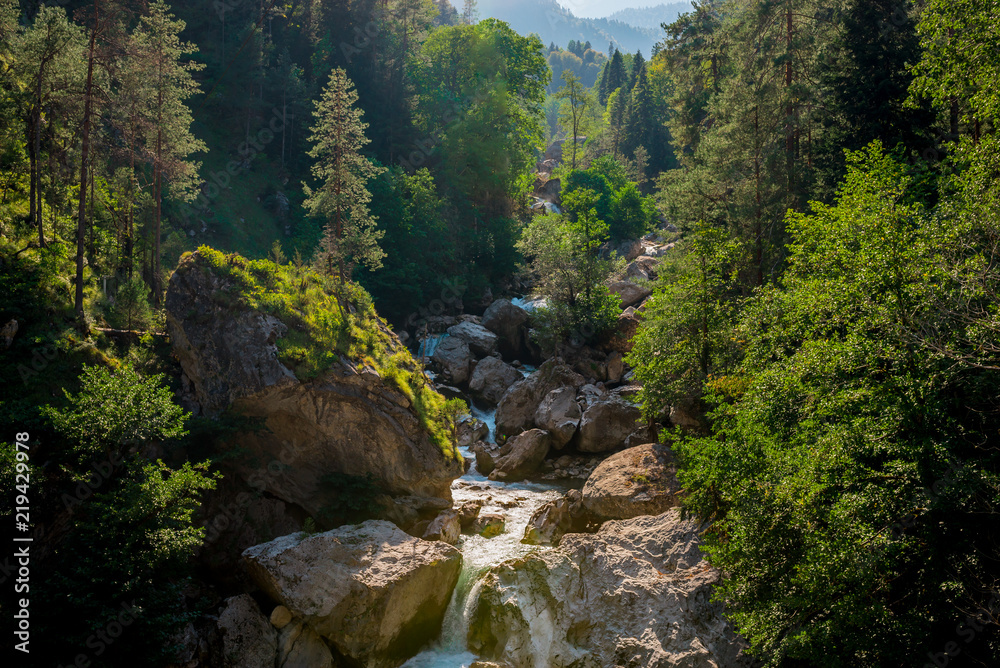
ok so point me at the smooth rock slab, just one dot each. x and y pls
(374, 592)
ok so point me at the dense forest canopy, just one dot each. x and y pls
(828, 314)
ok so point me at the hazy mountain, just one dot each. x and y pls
(555, 24)
(651, 17)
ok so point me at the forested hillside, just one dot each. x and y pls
(295, 258)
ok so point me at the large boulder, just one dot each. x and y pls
(510, 323)
(347, 421)
(559, 414)
(454, 358)
(552, 520)
(516, 412)
(248, 639)
(638, 481)
(471, 430)
(486, 457)
(607, 424)
(637, 593)
(482, 342)
(525, 453)
(625, 328)
(373, 592)
(629, 292)
(492, 378)
(445, 527)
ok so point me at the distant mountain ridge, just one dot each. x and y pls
(555, 24)
(650, 18)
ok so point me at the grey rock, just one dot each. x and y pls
(454, 358)
(492, 378)
(482, 342)
(526, 451)
(559, 414)
(638, 588)
(607, 423)
(372, 591)
(248, 639)
(638, 481)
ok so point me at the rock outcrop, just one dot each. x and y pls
(373, 592)
(446, 527)
(482, 342)
(630, 293)
(637, 593)
(516, 411)
(346, 421)
(301, 647)
(492, 378)
(638, 481)
(552, 520)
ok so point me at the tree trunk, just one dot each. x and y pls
(81, 221)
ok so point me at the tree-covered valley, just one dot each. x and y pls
(341, 333)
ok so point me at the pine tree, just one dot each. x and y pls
(168, 141)
(48, 59)
(616, 75)
(638, 65)
(350, 236)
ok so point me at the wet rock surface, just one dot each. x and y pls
(636, 593)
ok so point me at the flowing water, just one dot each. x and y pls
(516, 501)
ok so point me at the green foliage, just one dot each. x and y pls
(586, 321)
(116, 410)
(130, 308)
(688, 335)
(619, 203)
(851, 475)
(148, 510)
(349, 235)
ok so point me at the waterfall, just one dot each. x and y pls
(516, 501)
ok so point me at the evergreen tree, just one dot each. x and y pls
(638, 67)
(48, 59)
(168, 140)
(350, 236)
(616, 76)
